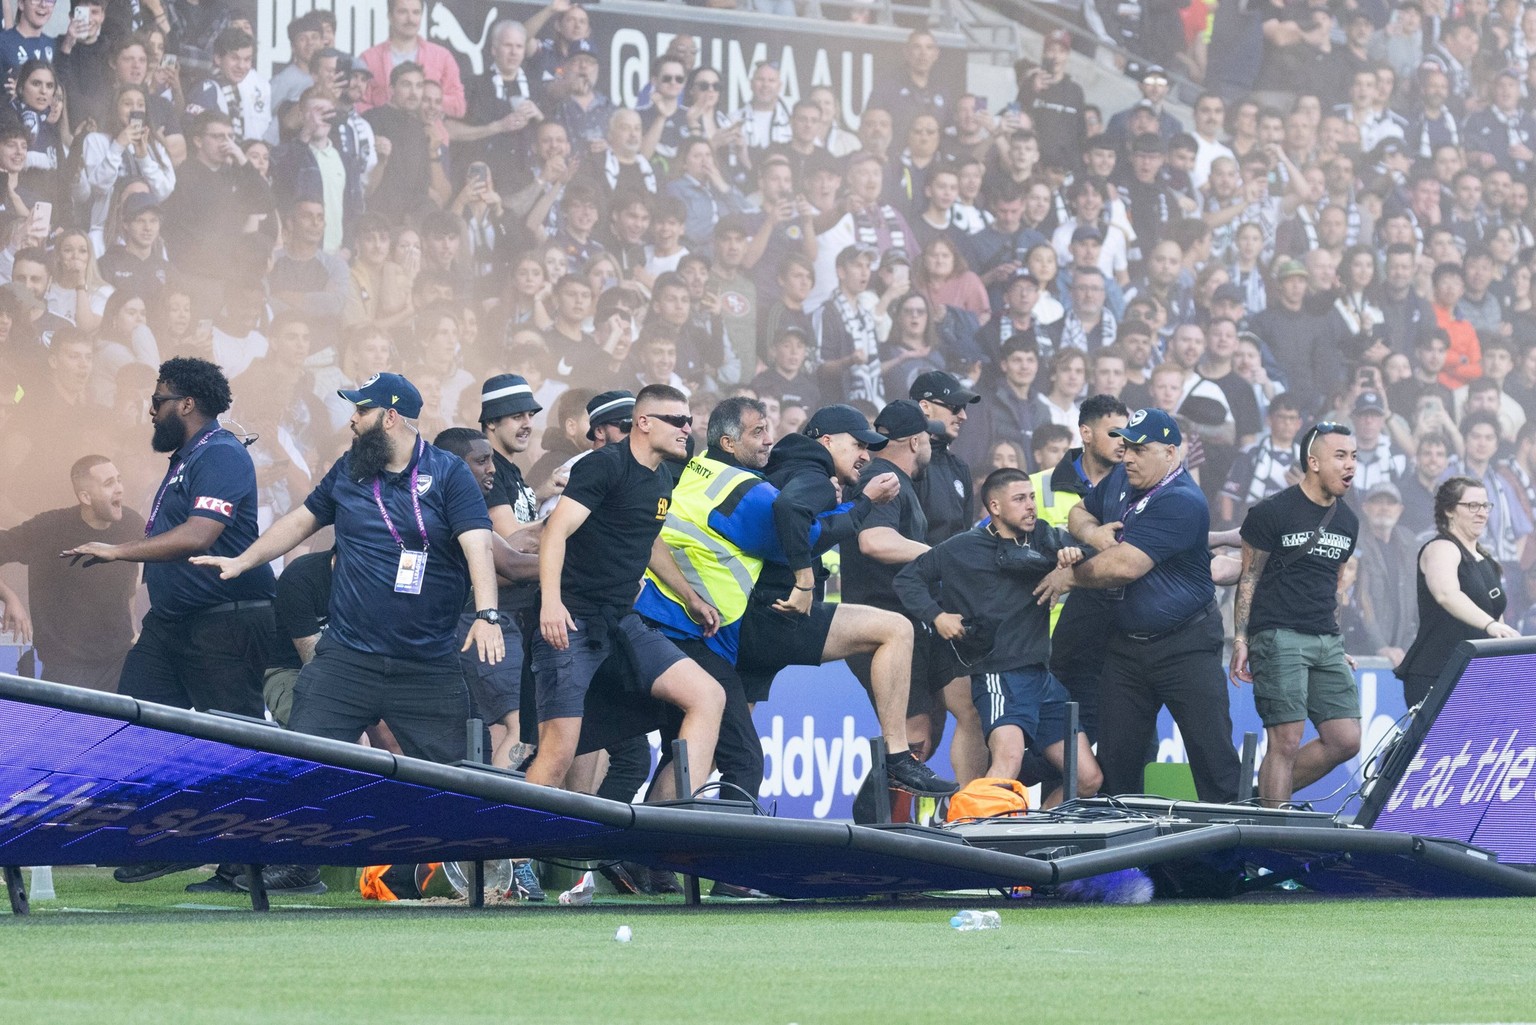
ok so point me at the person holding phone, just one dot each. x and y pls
(126, 147)
(1053, 101)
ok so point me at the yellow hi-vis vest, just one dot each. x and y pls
(714, 566)
(1052, 507)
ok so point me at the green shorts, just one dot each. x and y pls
(277, 691)
(1299, 676)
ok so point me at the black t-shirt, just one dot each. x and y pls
(79, 612)
(607, 555)
(510, 489)
(303, 605)
(1300, 594)
(865, 580)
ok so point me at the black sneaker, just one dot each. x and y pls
(734, 892)
(663, 882)
(222, 881)
(618, 874)
(297, 879)
(526, 882)
(150, 870)
(909, 774)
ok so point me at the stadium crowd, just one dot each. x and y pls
(899, 326)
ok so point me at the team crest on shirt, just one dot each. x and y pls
(734, 304)
(423, 483)
(662, 504)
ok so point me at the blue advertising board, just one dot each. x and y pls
(816, 726)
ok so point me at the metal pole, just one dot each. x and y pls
(1245, 771)
(16, 887)
(474, 751)
(684, 780)
(259, 901)
(877, 775)
(1069, 757)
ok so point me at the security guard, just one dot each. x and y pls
(1150, 523)
(945, 489)
(412, 535)
(1077, 624)
(205, 642)
(696, 593)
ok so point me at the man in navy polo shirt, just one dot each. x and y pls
(205, 642)
(412, 535)
(1149, 521)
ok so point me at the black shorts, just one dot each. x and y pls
(562, 678)
(933, 667)
(772, 640)
(496, 690)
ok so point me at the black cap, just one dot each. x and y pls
(840, 419)
(506, 395)
(904, 419)
(1369, 402)
(945, 389)
(609, 407)
(1087, 233)
(138, 203)
(1229, 293)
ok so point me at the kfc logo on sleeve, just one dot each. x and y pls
(217, 505)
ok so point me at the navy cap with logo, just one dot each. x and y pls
(609, 407)
(1369, 402)
(506, 395)
(945, 389)
(904, 418)
(386, 391)
(840, 419)
(1150, 427)
(1087, 233)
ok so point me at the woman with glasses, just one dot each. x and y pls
(701, 116)
(1460, 587)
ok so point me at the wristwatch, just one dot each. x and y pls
(491, 616)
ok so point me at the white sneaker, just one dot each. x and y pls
(581, 893)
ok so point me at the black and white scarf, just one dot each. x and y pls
(231, 94)
(867, 231)
(1075, 335)
(612, 170)
(864, 381)
(519, 85)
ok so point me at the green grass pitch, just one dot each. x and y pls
(127, 955)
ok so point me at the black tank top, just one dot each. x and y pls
(1482, 580)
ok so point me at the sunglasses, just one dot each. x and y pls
(675, 419)
(156, 401)
(1321, 429)
(671, 79)
(704, 85)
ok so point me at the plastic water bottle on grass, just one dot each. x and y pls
(972, 921)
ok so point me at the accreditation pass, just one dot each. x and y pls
(413, 568)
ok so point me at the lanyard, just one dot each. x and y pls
(154, 510)
(1141, 503)
(378, 498)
